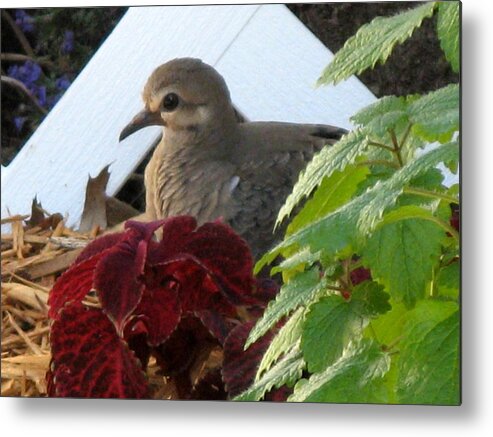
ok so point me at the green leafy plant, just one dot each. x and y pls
(369, 309)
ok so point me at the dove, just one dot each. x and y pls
(212, 165)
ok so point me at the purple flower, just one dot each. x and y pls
(62, 83)
(24, 20)
(40, 93)
(19, 122)
(28, 73)
(67, 43)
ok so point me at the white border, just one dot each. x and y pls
(121, 418)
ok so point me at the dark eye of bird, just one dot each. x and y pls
(170, 101)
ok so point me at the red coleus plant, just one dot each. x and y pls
(129, 297)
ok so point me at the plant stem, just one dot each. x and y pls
(335, 288)
(21, 87)
(397, 149)
(394, 342)
(381, 145)
(19, 57)
(406, 135)
(432, 194)
(445, 226)
(19, 34)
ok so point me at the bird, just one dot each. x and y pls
(211, 164)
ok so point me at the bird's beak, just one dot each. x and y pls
(143, 119)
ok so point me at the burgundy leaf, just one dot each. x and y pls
(215, 324)
(89, 360)
(206, 262)
(176, 230)
(117, 278)
(196, 287)
(177, 354)
(266, 290)
(359, 275)
(240, 366)
(73, 285)
(138, 345)
(280, 394)
(226, 255)
(455, 217)
(98, 245)
(159, 311)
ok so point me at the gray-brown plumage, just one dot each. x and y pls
(210, 165)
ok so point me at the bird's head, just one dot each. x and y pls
(182, 95)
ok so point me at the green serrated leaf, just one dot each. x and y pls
(429, 180)
(448, 31)
(328, 160)
(448, 280)
(388, 327)
(357, 218)
(301, 290)
(401, 255)
(378, 109)
(429, 356)
(374, 42)
(387, 112)
(298, 260)
(387, 192)
(406, 212)
(334, 191)
(285, 372)
(287, 336)
(330, 324)
(357, 377)
(374, 301)
(436, 114)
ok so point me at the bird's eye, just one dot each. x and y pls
(170, 102)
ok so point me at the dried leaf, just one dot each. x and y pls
(94, 212)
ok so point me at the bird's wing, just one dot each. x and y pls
(274, 155)
(258, 138)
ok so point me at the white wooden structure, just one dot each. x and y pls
(269, 59)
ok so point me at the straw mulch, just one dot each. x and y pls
(33, 255)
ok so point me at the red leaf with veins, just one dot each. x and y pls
(117, 279)
(207, 262)
(240, 366)
(99, 245)
(89, 359)
(226, 255)
(159, 312)
(215, 324)
(197, 289)
(72, 286)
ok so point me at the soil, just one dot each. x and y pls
(416, 66)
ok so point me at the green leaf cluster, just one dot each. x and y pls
(370, 305)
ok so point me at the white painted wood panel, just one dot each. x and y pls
(270, 61)
(272, 67)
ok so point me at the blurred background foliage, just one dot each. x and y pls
(43, 50)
